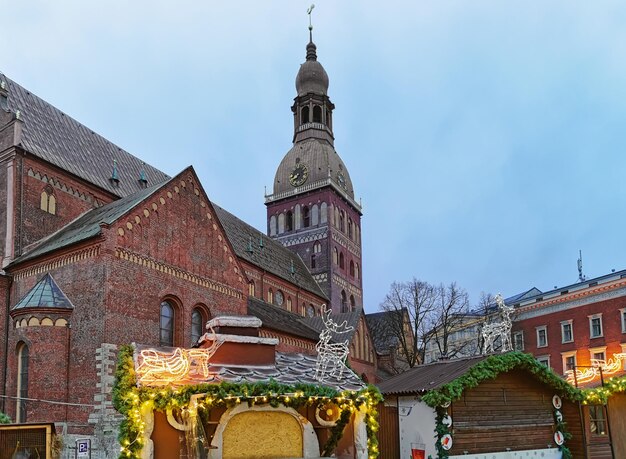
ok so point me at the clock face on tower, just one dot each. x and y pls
(299, 174)
(341, 179)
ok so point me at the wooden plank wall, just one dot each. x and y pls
(388, 433)
(512, 411)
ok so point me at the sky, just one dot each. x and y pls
(485, 138)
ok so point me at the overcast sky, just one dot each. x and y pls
(485, 138)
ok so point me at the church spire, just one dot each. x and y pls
(312, 109)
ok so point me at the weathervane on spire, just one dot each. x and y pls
(309, 11)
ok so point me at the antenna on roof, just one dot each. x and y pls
(309, 11)
(581, 276)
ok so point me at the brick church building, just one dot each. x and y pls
(99, 249)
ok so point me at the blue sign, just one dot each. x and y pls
(83, 449)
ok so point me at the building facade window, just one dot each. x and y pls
(289, 303)
(569, 361)
(251, 288)
(352, 303)
(306, 217)
(342, 263)
(270, 296)
(289, 221)
(622, 314)
(23, 355)
(313, 265)
(518, 341)
(344, 301)
(352, 271)
(597, 420)
(335, 256)
(567, 332)
(544, 360)
(597, 354)
(595, 326)
(167, 324)
(317, 247)
(542, 336)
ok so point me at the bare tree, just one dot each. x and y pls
(451, 313)
(410, 307)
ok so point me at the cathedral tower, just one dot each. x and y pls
(312, 209)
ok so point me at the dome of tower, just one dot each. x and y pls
(312, 162)
(311, 77)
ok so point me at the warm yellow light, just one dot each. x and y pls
(609, 367)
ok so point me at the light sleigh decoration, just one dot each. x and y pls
(331, 356)
(607, 367)
(491, 332)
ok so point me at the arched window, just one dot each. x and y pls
(48, 202)
(342, 220)
(167, 324)
(313, 265)
(350, 228)
(356, 271)
(323, 212)
(305, 115)
(352, 303)
(344, 301)
(273, 225)
(328, 119)
(317, 114)
(289, 221)
(22, 382)
(279, 298)
(317, 247)
(252, 288)
(306, 217)
(270, 296)
(352, 268)
(315, 215)
(289, 303)
(198, 320)
(335, 255)
(341, 260)
(281, 223)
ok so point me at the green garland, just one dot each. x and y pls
(600, 395)
(487, 369)
(128, 399)
(4, 419)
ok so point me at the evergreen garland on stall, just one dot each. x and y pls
(129, 400)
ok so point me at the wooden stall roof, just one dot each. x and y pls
(428, 377)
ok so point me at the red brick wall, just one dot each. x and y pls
(611, 324)
(73, 198)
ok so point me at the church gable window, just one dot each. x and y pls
(199, 317)
(166, 323)
(48, 201)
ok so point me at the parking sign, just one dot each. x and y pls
(83, 449)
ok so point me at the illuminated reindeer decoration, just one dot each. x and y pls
(502, 329)
(331, 356)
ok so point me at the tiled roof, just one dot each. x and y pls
(382, 330)
(45, 294)
(55, 137)
(279, 319)
(351, 318)
(273, 257)
(88, 225)
(428, 377)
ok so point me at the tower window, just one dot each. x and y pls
(350, 228)
(317, 248)
(356, 271)
(352, 303)
(342, 220)
(313, 264)
(341, 261)
(289, 221)
(305, 115)
(335, 255)
(328, 119)
(344, 301)
(306, 217)
(317, 114)
(352, 272)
